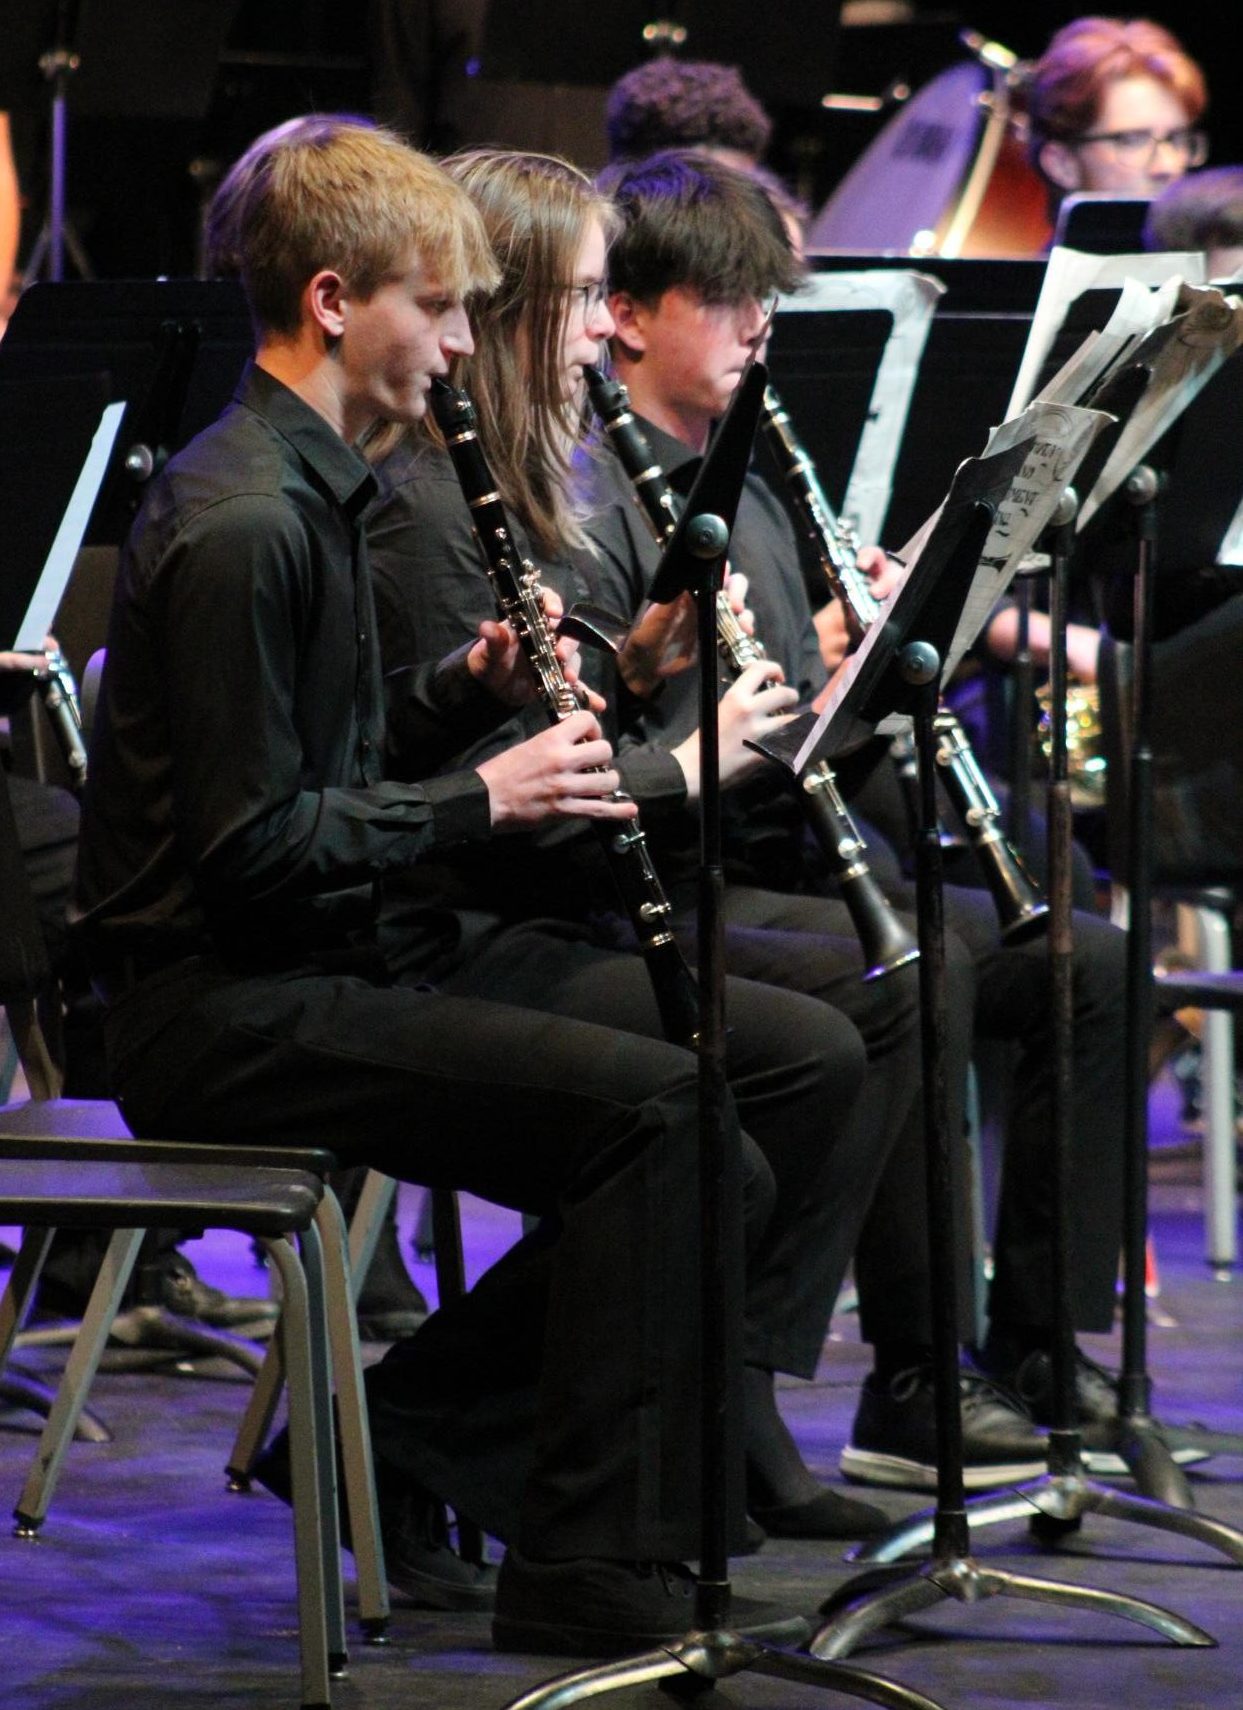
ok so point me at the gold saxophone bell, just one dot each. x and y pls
(1085, 762)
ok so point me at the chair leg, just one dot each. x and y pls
(451, 1285)
(252, 1433)
(1213, 953)
(79, 1373)
(20, 1288)
(353, 1426)
(366, 1224)
(307, 1459)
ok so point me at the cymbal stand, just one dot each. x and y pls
(877, 1599)
(1056, 1502)
(711, 1651)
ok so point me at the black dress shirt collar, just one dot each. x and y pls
(342, 469)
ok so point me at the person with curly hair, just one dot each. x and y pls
(676, 103)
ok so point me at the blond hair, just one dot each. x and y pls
(334, 191)
(537, 210)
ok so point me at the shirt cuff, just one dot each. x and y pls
(653, 777)
(460, 807)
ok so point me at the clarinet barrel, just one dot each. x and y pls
(1021, 908)
(885, 941)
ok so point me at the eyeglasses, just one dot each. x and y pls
(587, 297)
(1140, 146)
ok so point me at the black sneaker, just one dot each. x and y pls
(826, 1515)
(894, 1438)
(173, 1283)
(420, 1562)
(587, 1607)
(1096, 1408)
(390, 1303)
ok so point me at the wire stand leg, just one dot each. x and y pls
(712, 1651)
(1056, 1503)
(874, 1601)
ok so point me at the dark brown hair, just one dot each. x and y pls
(689, 220)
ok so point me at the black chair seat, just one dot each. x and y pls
(48, 1193)
(1204, 990)
(100, 1128)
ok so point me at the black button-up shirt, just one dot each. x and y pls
(237, 800)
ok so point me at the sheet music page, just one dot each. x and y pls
(1139, 308)
(1055, 437)
(1059, 436)
(64, 549)
(911, 298)
(1069, 274)
(1184, 354)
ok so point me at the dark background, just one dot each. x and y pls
(137, 179)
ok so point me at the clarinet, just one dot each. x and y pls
(885, 942)
(520, 602)
(1021, 908)
(60, 697)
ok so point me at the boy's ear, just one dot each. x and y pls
(325, 299)
(630, 319)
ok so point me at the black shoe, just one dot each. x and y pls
(383, 1317)
(828, 1515)
(173, 1283)
(390, 1305)
(594, 1608)
(1096, 1408)
(894, 1439)
(419, 1560)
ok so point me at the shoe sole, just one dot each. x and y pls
(554, 1638)
(425, 1591)
(896, 1472)
(1104, 1463)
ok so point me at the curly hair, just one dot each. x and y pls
(674, 103)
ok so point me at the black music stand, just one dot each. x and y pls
(171, 349)
(901, 673)
(693, 562)
(1056, 1502)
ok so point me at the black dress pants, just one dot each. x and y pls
(1012, 1002)
(558, 1402)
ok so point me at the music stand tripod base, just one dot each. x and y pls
(694, 1663)
(694, 560)
(874, 1601)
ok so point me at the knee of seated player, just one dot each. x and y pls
(759, 1192)
(1099, 966)
(786, 1046)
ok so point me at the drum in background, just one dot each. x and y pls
(948, 175)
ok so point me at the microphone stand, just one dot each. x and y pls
(711, 1650)
(1056, 1502)
(58, 65)
(889, 1593)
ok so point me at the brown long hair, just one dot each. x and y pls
(536, 209)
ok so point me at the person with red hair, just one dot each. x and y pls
(1113, 105)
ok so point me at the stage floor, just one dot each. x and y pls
(150, 1585)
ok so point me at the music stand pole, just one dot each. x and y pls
(711, 1650)
(1145, 1443)
(1056, 1502)
(878, 1598)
